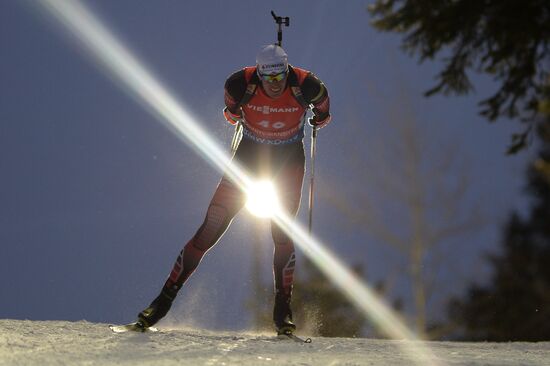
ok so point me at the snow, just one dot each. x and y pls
(24, 342)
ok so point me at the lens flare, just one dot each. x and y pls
(262, 200)
(137, 80)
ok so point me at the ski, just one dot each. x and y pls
(132, 327)
(293, 337)
(138, 327)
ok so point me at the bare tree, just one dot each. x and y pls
(413, 197)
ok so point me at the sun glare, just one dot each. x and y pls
(262, 199)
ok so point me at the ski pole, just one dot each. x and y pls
(312, 175)
(237, 136)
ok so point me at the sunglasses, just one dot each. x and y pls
(273, 77)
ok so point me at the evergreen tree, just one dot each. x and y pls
(515, 305)
(508, 40)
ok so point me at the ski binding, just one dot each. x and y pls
(287, 334)
(132, 327)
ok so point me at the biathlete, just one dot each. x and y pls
(270, 100)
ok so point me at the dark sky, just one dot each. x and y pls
(97, 198)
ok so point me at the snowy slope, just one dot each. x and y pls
(83, 343)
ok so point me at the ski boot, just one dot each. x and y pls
(158, 308)
(282, 315)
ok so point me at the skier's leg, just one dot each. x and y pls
(226, 202)
(284, 259)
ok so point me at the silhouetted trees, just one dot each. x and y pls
(413, 200)
(508, 40)
(515, 304)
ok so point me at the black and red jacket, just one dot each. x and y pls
(275, 120)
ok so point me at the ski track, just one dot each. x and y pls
(24, 342)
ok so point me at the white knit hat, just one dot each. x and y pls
(271, 59)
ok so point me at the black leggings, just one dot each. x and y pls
(284, 164)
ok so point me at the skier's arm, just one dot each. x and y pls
(316, 94)
(235, 87)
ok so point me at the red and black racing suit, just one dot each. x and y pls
(271, 147)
